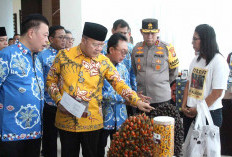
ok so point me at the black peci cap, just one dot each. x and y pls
(95, 31)
(2, 31)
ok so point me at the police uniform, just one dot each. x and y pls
(155, 66)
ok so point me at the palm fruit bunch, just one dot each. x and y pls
(134, 138)
(171, 111)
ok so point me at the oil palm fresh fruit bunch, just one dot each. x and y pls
(134, 138)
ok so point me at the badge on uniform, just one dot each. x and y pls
(160, 48)
(139, 52)
(159, 52)
(157, 67)
(157, 42)
(139, 60)
(172, 51)
(139, 66)
(140, 48)
(141, 55)
(158, 61)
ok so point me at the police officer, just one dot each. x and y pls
(155, 64)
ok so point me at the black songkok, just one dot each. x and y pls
(95, 31)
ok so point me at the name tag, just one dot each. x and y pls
(157, 55)
(141, 55)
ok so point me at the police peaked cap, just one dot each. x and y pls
(2, 31)
(95, 31)
(150, 25)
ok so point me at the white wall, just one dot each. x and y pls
(71, 17)
(6, 16)
(177, 20)
(16, 8)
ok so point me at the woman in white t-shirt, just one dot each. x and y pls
(208, 77)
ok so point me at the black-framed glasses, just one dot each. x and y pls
(123, 52)
(61, 37)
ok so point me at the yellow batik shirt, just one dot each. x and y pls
(82, 78)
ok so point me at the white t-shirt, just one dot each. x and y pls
(203, 79)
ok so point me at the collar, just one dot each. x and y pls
(79, 52)
(155, 44)
(23, 48)
(53, 50)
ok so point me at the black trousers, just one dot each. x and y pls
(23, 148)
(70, 143)
(103, 141)
(49, 140)
(215, 114)
(226, 129)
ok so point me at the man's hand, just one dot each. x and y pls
(143, 97)
(63, 110)
(143, 106)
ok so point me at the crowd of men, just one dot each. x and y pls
(112, 78)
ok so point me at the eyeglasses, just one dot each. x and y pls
(123, 52)
(194, 38)
(61, 37)
(70, 39)
(97, 45)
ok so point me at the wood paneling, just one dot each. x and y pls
(31, 6)
(55, 12)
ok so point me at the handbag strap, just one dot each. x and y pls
(206, 112)
(200, 119)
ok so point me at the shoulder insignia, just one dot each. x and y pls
(172, 51)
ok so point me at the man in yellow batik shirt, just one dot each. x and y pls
(80, 72)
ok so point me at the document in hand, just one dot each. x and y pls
(72, 105)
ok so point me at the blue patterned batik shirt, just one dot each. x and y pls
(127, 63)
(21, 94)
(113, 105)
(46, 58)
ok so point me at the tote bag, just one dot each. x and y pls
(202, 139)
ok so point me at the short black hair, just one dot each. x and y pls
(121, 23)
(67, 31)
(52, 30)
(113, 41)
(16, 35)
(32, 20)
(10, 39)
